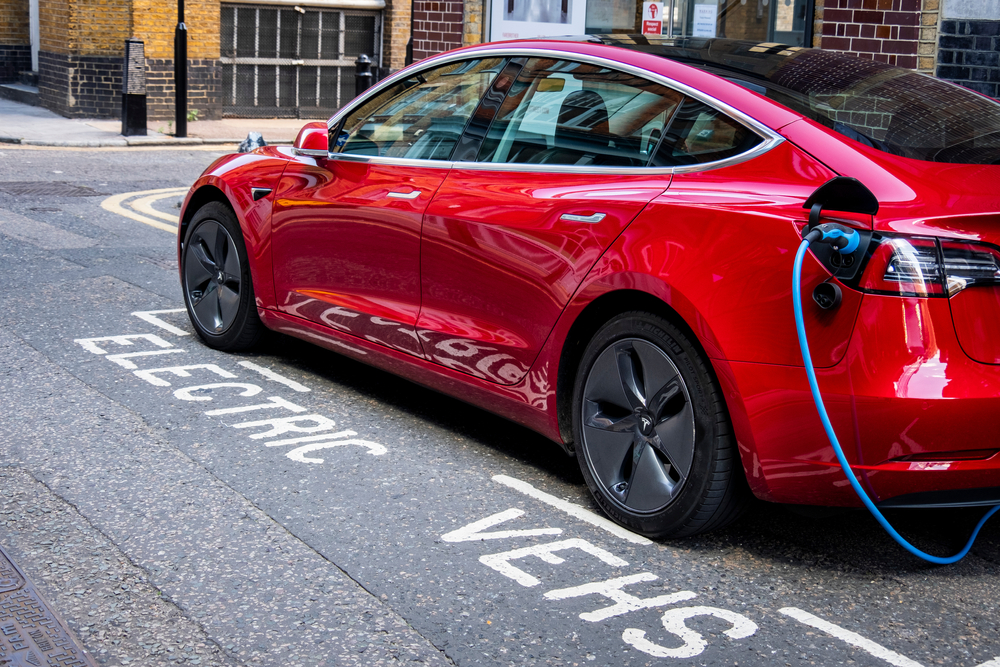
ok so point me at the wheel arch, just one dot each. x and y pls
(593, 316)
(198, 198)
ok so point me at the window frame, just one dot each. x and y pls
(769, 137)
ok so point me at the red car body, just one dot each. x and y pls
(476, 288)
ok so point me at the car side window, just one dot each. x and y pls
(698, 134)
(421, 117)
(571, 113)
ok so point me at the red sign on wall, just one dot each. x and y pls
(652, 18)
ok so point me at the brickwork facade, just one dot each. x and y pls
(927, 46)
(204, 93)
(396, 33)
(14, 58)
(438, 25)
(154, 21)
(886, 31)
(474, 26)
(80, 86)
(14, 23)
(15, 43)
(970, 54)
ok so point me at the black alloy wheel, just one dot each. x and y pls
(652, 434)
(217, 288)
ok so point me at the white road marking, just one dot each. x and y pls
(114, 205)
(123, 359)
(852, 638)
(273, 402)
(185, 393)
(501, 562)
(995, 662)
(149, 375)
(573, 510)
(90, 344)
(310, 438)
(271, 375)
(694, 643)
(624, 602)
(474, 531)
(298, 454)
(281, 425)
(151, 317)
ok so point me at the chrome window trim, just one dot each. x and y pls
(397, 161)
(770, 138)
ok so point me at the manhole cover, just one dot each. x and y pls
(47, 189)
(30, 634)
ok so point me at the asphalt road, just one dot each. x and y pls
(306, 509)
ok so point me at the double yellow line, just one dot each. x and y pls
(138, 206)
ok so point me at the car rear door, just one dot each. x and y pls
(529, 207)
(346, 229)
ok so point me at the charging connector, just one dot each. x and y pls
(836, 237)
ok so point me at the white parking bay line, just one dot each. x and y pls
(852, 638)
(151, 317)
(573, 510)
(271, 375)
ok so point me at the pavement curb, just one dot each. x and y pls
(130, 141)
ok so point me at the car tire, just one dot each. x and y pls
(652, 434)
(215, 280)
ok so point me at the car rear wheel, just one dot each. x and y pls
(216, 281)
(653, 436)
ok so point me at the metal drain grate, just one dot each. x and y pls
(30, 634)
(46, 189)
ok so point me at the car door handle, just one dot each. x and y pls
(591, 219)
(405, 195)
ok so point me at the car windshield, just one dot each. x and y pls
(889, 108)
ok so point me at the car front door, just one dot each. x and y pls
(346, 229)
(523, 216)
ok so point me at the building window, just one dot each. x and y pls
(292, 62)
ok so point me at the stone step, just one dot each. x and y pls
(20, 93)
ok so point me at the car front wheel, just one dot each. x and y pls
(215, 275)
(653, 436)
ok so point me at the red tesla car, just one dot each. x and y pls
(594, 237)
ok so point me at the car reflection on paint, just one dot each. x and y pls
(594, 237)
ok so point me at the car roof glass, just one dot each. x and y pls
(889, 108)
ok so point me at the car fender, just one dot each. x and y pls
(235, 176)
(616, 273)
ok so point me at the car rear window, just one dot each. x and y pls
(889, 108)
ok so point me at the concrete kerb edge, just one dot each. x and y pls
(128, 141)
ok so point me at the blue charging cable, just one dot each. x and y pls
(846, 241)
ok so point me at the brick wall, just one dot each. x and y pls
(886, 31)
(80, 86)
(395, 33)
(54, 26)
(927, 47)
(154, 22)
(437, 26)
(970, 54)
(14, 22)
(204, 93)
(14, 58)
(472, 32)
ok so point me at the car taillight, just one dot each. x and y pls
(969, 264)
(920, 266)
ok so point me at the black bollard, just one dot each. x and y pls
(134, 89)
(363, 74)
(180, 73)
